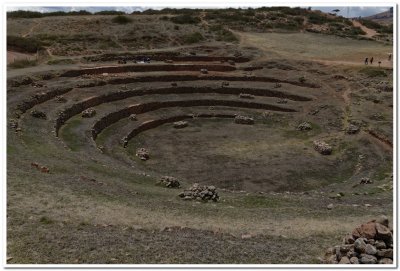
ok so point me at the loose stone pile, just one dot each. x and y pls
(38, 114)
(322, 147)
(180, 124)
(143, 154)
(169, 182)
(370, 243)
(244, 120)
(197, 192)
(88, 113)
(305, 126)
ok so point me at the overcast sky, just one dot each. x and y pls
(344, 11)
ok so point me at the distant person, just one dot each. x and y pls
(366, 61)
(390, 57)
(379, 63)
(372, 60)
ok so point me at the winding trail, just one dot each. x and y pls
(369, 32)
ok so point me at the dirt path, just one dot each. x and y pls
(369, 32)
(31, 30)
(203, 21)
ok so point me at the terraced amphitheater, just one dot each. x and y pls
(283, 146)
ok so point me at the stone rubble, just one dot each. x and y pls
(180, 124)
(305, 126)
(88, 113)
(246, 96)
(352, 129)
(199, 192)
(370, 243)
(143, 154)
(169, 182)
(244, 120)
(38, 114)
(366, 181)
(322, 147)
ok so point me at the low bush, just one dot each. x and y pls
(23, 63)
(121, 19)
(193, 38)
(25, 45)
(185, 19)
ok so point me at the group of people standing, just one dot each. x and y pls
(371, 60)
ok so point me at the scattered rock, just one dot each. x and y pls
(132, 117)
(354, 260)
(277, 85)
(365, 181)
(385, 261)
(322, 147)
(169, 182)
(174, 84)
(231, 62)
(344, 260)
(330, 206)
(352, 129)
(246, 96)
(304, 126)
(204, 71)
(360, 245)
(198, 192)
(225, 84)
(244, 120)
(370, 249)
(282, 101)
(383, 220)
(180, 124)
(88, 113)
(60, 99)
(143, 154)
(368, 259)
(38, 114)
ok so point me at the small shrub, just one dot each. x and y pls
(373, 72)
(185, 19)
(29, 45)
(193, 38)
(46, 220)
(121, 19)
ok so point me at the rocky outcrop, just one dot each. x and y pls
(199, 192)
(370, 243)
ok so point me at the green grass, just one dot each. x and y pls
(68, 133)
(373, 72)
(23, 63)
(64, 61)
